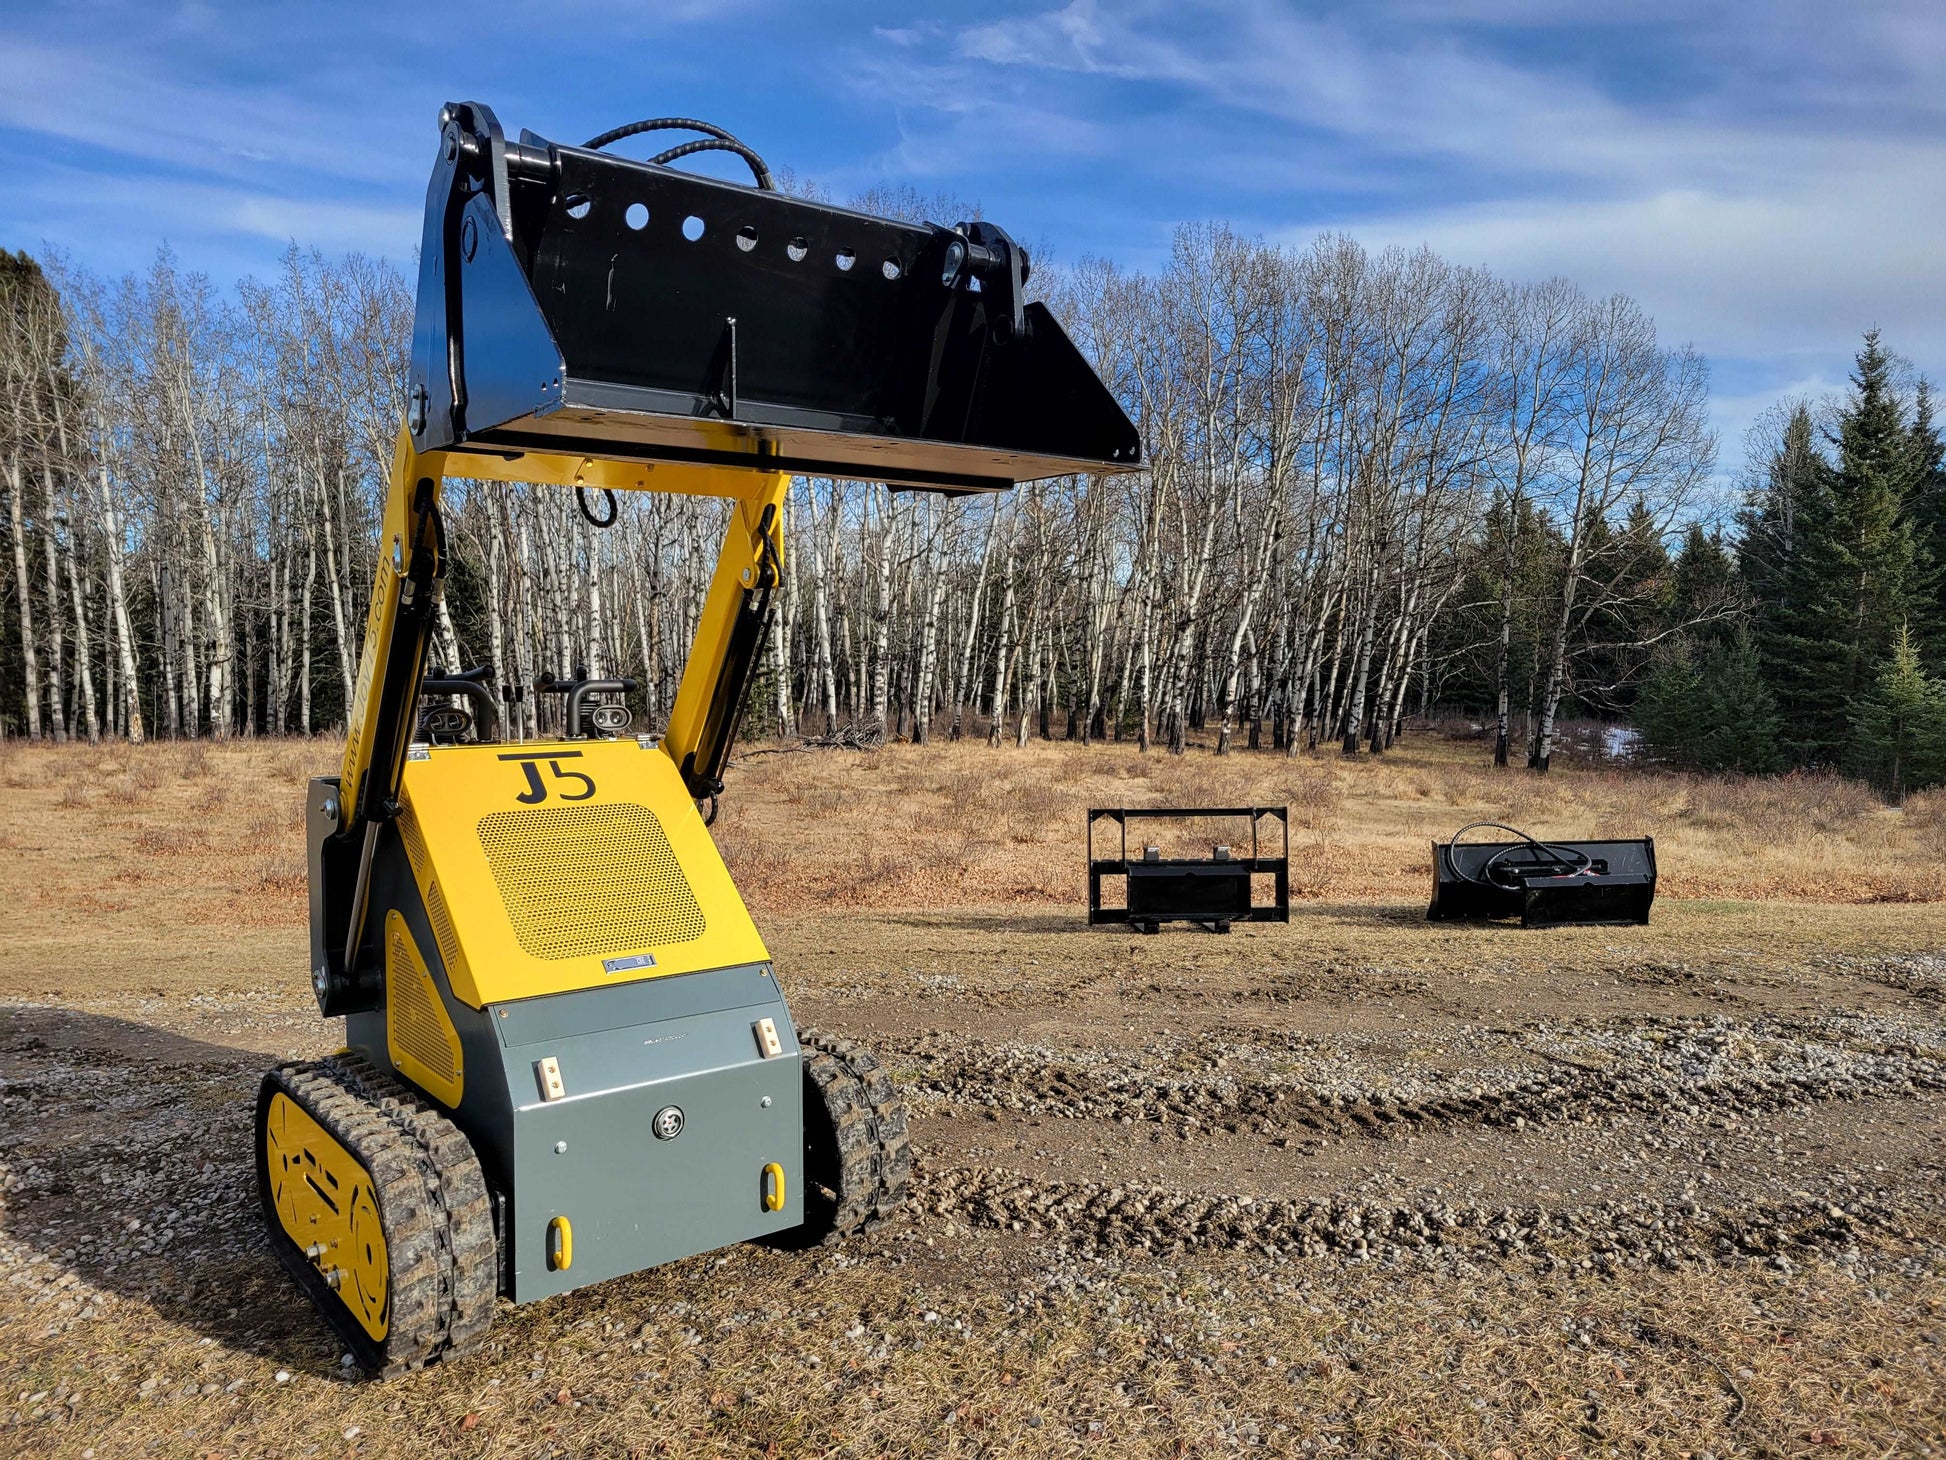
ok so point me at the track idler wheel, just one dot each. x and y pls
(378, 1208)
(857, 1158)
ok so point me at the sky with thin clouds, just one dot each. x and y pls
(1766, 178)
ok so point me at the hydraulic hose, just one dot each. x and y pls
(1568, 859)
(719, 141)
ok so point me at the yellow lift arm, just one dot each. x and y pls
(410, 578)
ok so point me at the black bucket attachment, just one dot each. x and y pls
(1544, 884)
(572, 302)
(1213, 891)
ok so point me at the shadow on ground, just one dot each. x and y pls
(109, 1122)
(975, 920)
(1334, 914)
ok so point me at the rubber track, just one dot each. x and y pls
(433, 1206)
(471, 1273)
(874, 1149)
(406, 1215)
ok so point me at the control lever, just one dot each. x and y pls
(578, 688)
(471, 683)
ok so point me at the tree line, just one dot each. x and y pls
(1837, 569)
(1377, 486)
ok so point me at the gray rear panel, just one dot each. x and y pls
(626, 1053)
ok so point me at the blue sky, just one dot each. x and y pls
(1767, 178)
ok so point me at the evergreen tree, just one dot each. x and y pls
(1667, 711)
(1707, 708)
(1769, 520)
(1526, 547)
(1926, 504)
(1851, 574)
(1635, 587)
(1705, 593)
(1899, 728)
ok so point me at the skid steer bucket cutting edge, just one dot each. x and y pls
(571, 301)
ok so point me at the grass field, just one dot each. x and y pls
(1357, 1185)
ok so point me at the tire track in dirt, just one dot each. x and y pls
(1922, 975)
(1667, 1068)
(1097, 1217)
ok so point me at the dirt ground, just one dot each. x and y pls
(1355, 1185)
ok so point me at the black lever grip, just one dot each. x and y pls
(592, 687)
(486, 713)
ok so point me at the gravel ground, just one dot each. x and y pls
(1205, 1198)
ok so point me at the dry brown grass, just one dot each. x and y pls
(967, 825)
(216, 830)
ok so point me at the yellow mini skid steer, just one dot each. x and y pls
(568, 1056)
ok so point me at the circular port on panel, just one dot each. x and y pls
(746, 238)
(891, 269)
(846, 258)
(637, 217)
(798, 249)
(692, 228)
(579, 205)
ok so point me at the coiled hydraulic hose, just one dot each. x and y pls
(1551, 857)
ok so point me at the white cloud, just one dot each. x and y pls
(1734, 413)
(1753, 274)
(133, 106)
(333, 226)
(129, 218)
(1765, 179)
(1414, 92)
(1762, 175)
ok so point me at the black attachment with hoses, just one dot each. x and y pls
(576, 302)
(1543, 883)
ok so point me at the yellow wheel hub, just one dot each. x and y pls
(326, 1205)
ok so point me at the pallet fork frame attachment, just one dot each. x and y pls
(1214, 891)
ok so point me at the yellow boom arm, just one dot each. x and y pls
(405, 591)
(411, 566)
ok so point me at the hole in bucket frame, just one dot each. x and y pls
(577, 205)
(637, 217)
(692, 228)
